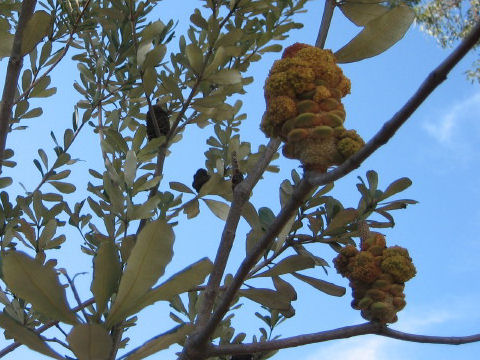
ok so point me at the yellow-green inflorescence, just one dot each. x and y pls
(303, 93)
(377, 277)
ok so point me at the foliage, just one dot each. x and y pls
(449, 22)
(127, 223)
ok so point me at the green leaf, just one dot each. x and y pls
(5, 181)
(342, 218)
(161, 342)
(378, 35)
(178, 186)
(26, 336)
(372, 178)
(324, 286)
(192, 208)
(396, 187)
(250, 214)
(90, 342)
(269, 298)
(362, 14)
(37, 284)
(226, 77)
(47, 234)
(6, 43)
(288, 265)
(219, 208)
(179, 283)
(36, 112)
(130, 170)
(284, 288)
(149, 79)
(146, 263)
(107, 270)
(154, 56)
(37, 28)
(195, 57)
(65, 188)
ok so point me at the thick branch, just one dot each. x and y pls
(15, 64)
(340, 333)
(434, 79)
(240, 196)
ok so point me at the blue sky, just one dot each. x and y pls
(437, 148)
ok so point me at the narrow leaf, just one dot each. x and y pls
(37, 284)
(161, 342)
(324, 286)
(146, 263)
(342, 218)
(179, 283)
(396, 187)
(130, 167)
(226, 77)
(219, 208)
(178, 186)
(65, 188)
(269, 298)
(106, 273)
(289, 265)
(90, 342)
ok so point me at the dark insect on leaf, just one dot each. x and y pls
(237, 176)
(160, 115)
(200, 178)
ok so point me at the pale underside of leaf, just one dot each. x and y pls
(146, 263)
(90, 342)
(378, 35)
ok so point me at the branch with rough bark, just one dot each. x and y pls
(15, 64)
(335, 334)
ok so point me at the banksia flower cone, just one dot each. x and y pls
(303, 92)
(377, 277)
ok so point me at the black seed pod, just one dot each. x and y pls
(161, 115)
(200, 178)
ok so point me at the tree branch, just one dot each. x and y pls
(434, 79)
(240, 196)
(15, 64)
(335, 334)
(325, 25)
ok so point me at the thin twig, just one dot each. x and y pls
(76, 295)
(340, 333)
(15, 64)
